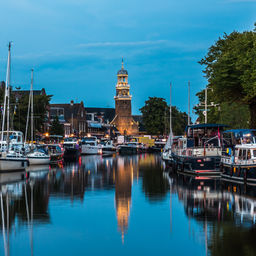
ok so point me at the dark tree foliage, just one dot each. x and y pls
(230, 68)
(41, 102)
(235, 115)
(19, 109)
(57, 128)
(156, 117)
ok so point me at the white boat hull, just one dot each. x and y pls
(13, 163)
(90, 150)
(38, 160)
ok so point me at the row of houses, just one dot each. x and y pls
(76, 118)
(80, 120)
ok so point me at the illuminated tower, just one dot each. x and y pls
(123, 110)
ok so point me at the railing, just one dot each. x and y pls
(197, 152)
(230, 160)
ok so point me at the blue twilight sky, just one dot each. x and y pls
(76, 46)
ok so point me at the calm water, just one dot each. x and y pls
(123, 206)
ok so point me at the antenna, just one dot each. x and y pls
(170, 109)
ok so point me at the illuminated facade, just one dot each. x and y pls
(123, 119)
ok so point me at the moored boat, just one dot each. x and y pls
(71, 149)
(38, 157)
(199, 152)
(128, 148)
(238, 161)
(90, 146)
(11, 158)
(55, 151)
(108, 147)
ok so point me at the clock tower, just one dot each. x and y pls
(123, 109)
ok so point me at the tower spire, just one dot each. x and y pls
(122, 62)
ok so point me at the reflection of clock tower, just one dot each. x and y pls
(123, 116)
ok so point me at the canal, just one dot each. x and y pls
(125, 205)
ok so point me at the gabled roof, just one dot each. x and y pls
(109, 113)
(21, 93)
(69, 109)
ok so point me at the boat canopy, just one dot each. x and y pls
(240, 131)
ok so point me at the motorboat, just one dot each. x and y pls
(128, 148)
(108, 147)
(55, 152)
(90, 146)
(238, 161)
(38, 156)
(71, 149)
(199, 151)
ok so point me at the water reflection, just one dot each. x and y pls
(225, 211)
(116, 201)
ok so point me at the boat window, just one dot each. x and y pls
(254, 153)
(249, 154)
(244, 154)
(240, 154)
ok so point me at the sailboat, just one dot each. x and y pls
(166, 154)
(35, 156)
(10, 160)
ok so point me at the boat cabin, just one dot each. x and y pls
(239, 136)
(200, 140)
(245, 154)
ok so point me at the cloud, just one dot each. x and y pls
(132, 43)
(240, 1)
(160, 43)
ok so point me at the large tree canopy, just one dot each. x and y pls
(156, 117)
(235, 115)
(230, 68)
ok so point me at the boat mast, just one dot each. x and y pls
(29, 103)
(170, 109)
(8, 100)
(32, 107)
(188, 102)
(6, 93)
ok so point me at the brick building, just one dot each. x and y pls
(72, 116)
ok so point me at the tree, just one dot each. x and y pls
(156, 117)
(19, 115)
(57, 128)
(19, 109)
(230, 68)
(235, 115)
